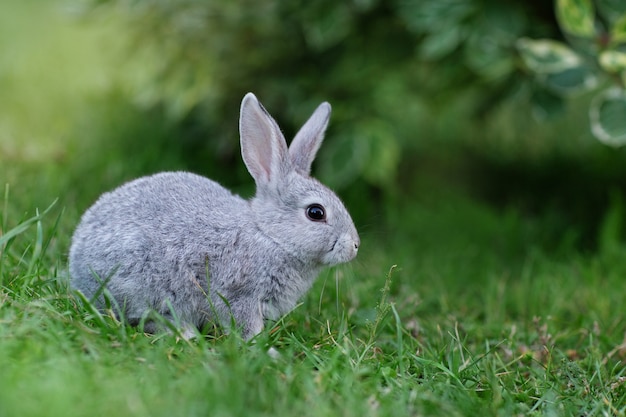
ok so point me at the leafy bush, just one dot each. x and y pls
(593, 58)
(389, 67)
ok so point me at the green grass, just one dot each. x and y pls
(486, 313)
(461, 331)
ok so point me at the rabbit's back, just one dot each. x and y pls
(138, 237)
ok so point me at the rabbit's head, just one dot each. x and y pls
(296, 211)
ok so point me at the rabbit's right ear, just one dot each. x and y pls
(263, 146)
(309, 138)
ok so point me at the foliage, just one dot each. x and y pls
(595, 56)
(388, 67)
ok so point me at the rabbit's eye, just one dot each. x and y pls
(316, 212)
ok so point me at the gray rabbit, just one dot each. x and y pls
(185, 247)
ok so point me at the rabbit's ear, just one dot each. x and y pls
(263, 146)
(307, 142)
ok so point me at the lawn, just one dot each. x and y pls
(454, 306)
(472, 325)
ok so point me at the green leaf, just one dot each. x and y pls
(571, 80)
(613, 61)
(439, 44)
(329, 27)
(610, 10)
(546, 104)
(607, 115)
(545, 56)
(384, 151)
(618, 30)
(488, 58)
(342, 159)
(576, 17)
(370, 150)
(434, 16)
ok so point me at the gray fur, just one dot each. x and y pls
(153, 240)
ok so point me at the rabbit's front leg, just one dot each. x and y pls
(186, 330)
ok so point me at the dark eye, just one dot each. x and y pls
(316, 212)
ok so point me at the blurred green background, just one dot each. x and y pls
(475, 143)
(436, 112)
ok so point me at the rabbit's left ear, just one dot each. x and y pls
(307, 142)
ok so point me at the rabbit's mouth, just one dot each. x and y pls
(343, 249)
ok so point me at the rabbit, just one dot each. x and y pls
(184, 246)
